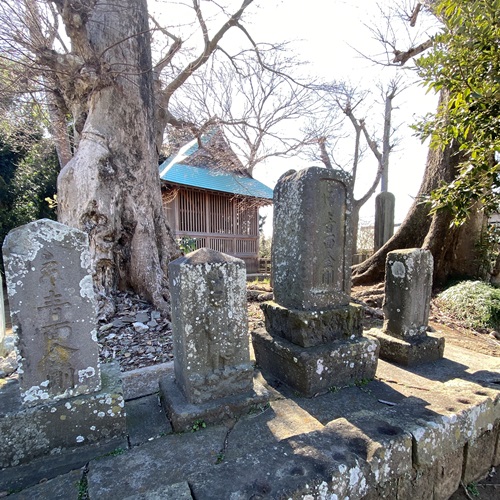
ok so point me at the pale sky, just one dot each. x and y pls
(330, 35)
(331, 30)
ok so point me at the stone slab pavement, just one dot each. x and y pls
(346, 443)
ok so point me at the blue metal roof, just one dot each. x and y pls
(214, 180)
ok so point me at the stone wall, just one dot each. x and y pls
(414, 454)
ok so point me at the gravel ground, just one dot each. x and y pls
(137, 336)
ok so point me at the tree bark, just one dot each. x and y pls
(111, 188)
(59, 126)
(456, 250)
(355, 227)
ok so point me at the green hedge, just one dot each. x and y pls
(475, 303)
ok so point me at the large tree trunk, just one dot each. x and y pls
(457, 251)
(454, 248)
(111, 187)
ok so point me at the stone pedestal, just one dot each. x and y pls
(61, 426)
(313, 340)
(316, 370)
(313, 328)
(213, 371)
(408, 286)
(313, 351)
(185, 416)
(423, 349)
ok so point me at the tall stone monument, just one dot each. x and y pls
(212, 367)
(408, 286)
(384, 218)
(314, 335)
(51, 297)
(60, 399)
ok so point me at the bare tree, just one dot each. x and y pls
(253, 96)
(455, 249)
(347, 101)
(406, 22)
(118, 102)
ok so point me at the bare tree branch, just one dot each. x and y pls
(413, 18)
(402, 57)
(175, 47)
(210, 46)
(323, 153)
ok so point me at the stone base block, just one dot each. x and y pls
(184, 415)
(421, 350)
(480, 456)
(52, 466)
(207, 384)
(56, 427)
(315, 370)
(144, 381)
(311, 328)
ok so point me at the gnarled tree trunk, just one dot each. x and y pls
(111, 188)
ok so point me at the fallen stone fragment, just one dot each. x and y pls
(142, 317)
(140, 327)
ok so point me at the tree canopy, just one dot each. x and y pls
(460, 62)
(28, 167)
(465, 62)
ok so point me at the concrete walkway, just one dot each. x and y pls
(410, 434)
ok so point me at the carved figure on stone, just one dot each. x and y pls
(220, 345)
(209, 324)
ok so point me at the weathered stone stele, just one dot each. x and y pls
(213, 375)
(210, 327)
(408, 286)
(51, 297)
(314, 335)
(312, 239)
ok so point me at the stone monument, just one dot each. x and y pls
(408, 286)
(384, 218)
(60, 399)
(52, 307)
(212, 368)
(313, 337)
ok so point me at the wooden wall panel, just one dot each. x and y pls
(218, 221)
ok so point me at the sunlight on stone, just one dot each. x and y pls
(291, 420)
